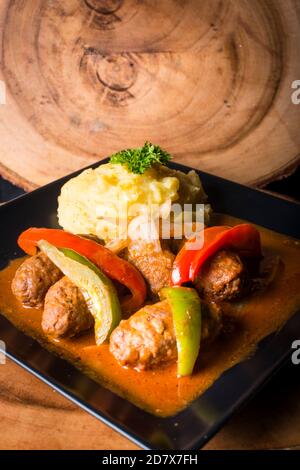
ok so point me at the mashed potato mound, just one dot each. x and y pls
(94, 201)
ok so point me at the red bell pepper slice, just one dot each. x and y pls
(243, 238)
(112, 265)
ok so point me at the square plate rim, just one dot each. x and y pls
(108, 421)
(171, 164)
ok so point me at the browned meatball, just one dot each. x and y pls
(33, 279)
(212, 322)
(65, 312)
(147, 339)
(155, 266)
(223, 277)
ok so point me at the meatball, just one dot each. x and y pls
(222, 277)
(147, 339)
(212, 323)
(155, 265)
(65, 311)
(33, 279)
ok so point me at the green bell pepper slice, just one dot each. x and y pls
(186, 309)
(98, 290)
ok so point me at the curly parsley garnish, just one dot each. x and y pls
(140, 159)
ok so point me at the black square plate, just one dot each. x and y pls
(194, 426)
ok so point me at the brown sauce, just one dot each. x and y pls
(160, 391)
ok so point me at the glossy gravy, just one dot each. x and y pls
(160, 392)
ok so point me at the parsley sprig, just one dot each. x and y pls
(138, 160)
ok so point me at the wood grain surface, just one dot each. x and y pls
(33, 416)
(209, 80)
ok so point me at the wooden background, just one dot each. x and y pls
(208, 80)
(33, 416)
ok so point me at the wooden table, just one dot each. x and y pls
(210, 81)
(33, 416)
